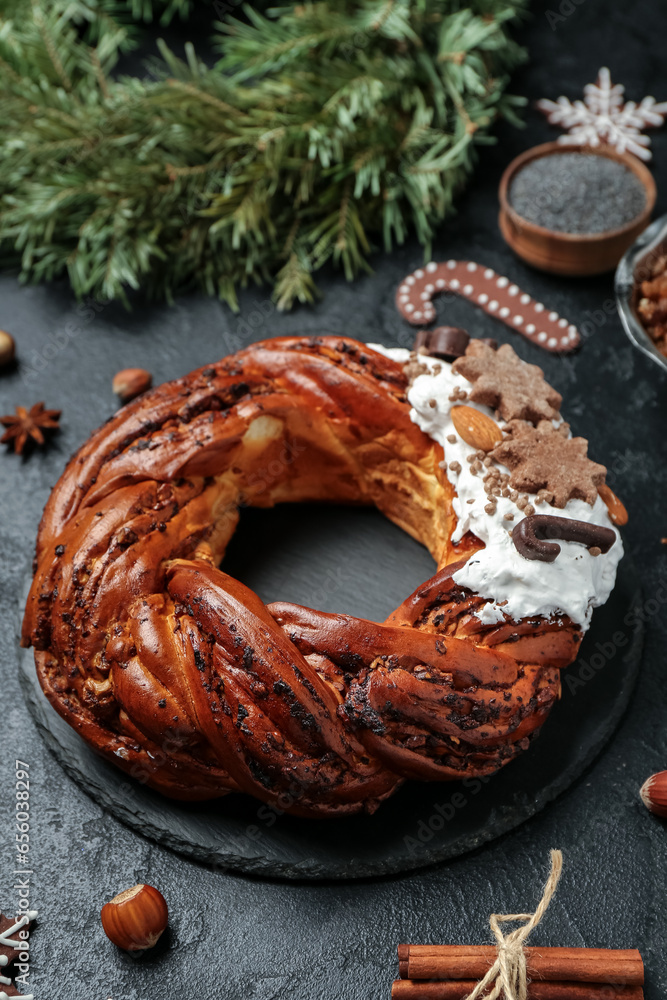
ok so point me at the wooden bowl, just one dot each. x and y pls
(571, 253)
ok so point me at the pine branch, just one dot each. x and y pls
(325, 130)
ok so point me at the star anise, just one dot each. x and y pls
(28, 425)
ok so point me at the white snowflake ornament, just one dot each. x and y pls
(603, 117)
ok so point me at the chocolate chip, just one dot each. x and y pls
(530, 536)
(446, 342)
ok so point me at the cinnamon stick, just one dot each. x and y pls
(407, 989)
(468, 962)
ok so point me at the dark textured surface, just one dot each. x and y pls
(235, 937)
(422, 823)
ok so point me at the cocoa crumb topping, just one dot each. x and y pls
(457, 394)
(414, 368)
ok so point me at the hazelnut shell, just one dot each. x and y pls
(653, 794)
(131, 382)
(135, 919)
(7, 348)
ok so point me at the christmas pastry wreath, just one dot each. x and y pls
(179, 673)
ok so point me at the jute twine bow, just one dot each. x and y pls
(508, 973)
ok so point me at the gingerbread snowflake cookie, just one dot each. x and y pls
(545, 459)
(604, 117)
(501, 380)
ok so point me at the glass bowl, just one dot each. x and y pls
(635, 267)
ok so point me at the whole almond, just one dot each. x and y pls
(617, 511)
(476, 429)
(7, 348)
(131, 382)
(653, 793)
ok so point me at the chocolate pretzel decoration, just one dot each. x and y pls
(496, 295)
(531, 534)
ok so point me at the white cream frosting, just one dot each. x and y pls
(573, 584)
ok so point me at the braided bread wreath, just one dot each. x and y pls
(181, 676)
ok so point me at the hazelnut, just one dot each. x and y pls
(653, 793)
(135, 919)
(131, 382)
(7, 348)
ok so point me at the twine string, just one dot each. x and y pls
(509, 974)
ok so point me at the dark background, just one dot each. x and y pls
(236, 937)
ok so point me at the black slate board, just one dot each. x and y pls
(354, 560)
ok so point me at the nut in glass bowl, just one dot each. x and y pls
(638, 265)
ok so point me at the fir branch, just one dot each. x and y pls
(325, 128)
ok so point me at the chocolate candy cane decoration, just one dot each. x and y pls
(531, 534)
(494, 293)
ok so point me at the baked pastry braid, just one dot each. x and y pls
(180, 674)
